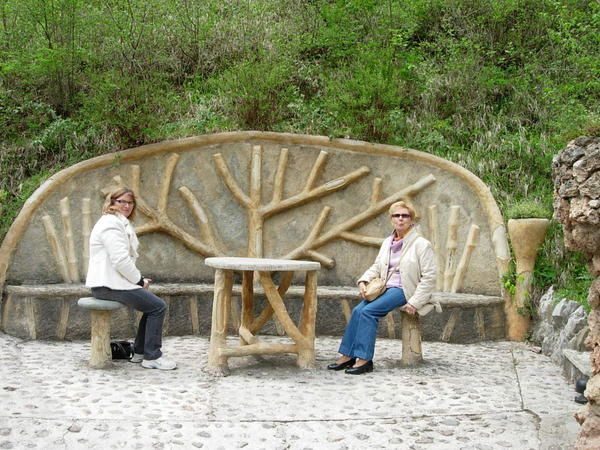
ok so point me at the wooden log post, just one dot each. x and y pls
(432, 212)
(101, 355)
(451, 245)
(56, 248)
(195, 320)
(463, 265)
(72, 264)
(412, 353)
(86, 231)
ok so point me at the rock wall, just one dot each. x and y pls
(576, 174)
(561, 327)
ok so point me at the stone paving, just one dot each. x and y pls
(491, 395)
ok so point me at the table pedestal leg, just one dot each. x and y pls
(246, 336)
(306, 351)
(217, 364)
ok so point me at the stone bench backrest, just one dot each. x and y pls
(267, 195)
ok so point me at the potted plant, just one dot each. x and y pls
(527, 226)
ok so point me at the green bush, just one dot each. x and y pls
(133, 109)
(366, 96)
(256, 93)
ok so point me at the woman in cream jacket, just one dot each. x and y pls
(113, 275)
(407, 262)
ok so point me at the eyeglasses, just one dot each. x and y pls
(404, 216)
(125, 202)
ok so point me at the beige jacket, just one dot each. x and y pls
(417, 270)
(113, 252)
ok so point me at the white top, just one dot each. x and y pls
(113, 252)
(417, 270)
(260, 264)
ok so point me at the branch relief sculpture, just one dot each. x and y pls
(206, 242)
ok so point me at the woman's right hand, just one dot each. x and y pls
(147, 282)
(362, 287)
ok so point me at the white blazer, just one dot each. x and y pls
(113, 252)
(417, 270)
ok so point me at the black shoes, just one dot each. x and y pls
(340, 366)
(365, 368)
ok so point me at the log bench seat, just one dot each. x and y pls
(100, 312)
(466, 317)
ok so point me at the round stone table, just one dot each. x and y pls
(303, 335)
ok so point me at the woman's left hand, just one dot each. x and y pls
(362, 287)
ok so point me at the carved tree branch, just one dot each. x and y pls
(306, 196)
(316, 170)
(376, 190)
(230, 182)
(360, 219)
(361, 239)
(199, 214)
(279, 176)
(256, 176)
(163, 196)
(147, 228)
(257, 213)
(135, 178)
(159, 220)
(72, 264)
(86, 230)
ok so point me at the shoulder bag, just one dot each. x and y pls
(376, 286)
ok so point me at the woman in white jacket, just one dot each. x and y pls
(113, 275)
(407, 261)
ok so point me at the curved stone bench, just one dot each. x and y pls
(466, 318)
(100, 312)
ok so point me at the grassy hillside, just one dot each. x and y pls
(498, 87)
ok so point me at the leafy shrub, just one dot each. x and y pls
(367, 95)
(131, 108)
(256, 92)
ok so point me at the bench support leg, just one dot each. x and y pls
(411, 340)
(101, 354)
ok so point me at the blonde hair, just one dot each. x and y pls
(402, 204)
(109, 206)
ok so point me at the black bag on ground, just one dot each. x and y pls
(121, 349)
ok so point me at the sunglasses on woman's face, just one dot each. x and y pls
(404, 216)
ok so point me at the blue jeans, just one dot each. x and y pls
(361, 331)
(148, 339)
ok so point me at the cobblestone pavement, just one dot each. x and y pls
(492, 395)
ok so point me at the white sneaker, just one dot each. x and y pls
(137, 358)
(161, 363)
